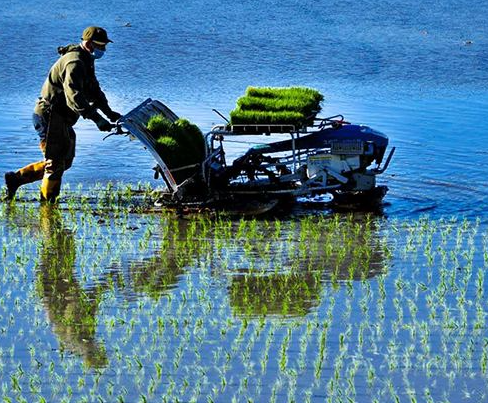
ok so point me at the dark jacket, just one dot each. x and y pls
(71, 87)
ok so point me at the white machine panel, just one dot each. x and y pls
(337, 163)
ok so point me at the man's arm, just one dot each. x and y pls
(74, 91)
(76, 98)
(100, 101)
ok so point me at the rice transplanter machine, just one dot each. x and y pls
(328, 156)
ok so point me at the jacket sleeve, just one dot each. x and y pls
(97, 96)
(76, 97)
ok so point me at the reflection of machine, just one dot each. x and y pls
(330, 156)
(341, 251)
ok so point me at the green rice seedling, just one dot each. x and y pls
(322, 350)
(285, 92)
(276, 103)
(179, 144)
(159, 124)
(290, 106)
(283, 351)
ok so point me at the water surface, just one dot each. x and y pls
(101, 301)
(417, 73)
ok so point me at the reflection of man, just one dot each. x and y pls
(71, 90)
(70, 309)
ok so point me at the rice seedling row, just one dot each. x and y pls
(104, 300)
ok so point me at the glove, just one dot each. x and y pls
(102, 123)
(113, 116)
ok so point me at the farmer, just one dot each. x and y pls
(71, 90)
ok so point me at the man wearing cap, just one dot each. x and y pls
(71, 90)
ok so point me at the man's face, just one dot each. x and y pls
(98, 45)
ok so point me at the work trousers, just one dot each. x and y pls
(58, 142)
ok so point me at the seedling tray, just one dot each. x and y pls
(274, 110)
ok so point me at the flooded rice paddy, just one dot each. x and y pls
(104, 300)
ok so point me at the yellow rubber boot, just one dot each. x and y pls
(50, 189)
(32, 172)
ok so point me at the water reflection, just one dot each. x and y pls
(70, 309)
(328, 255)
(275, 294)
(155, 276)
(269, 268)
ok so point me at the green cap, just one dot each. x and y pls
(96, 34)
